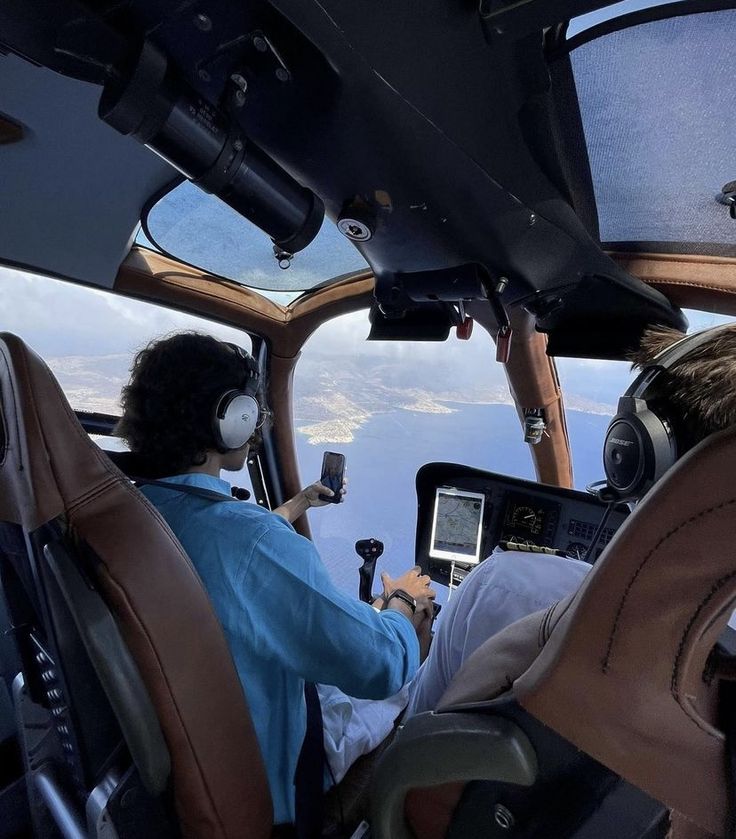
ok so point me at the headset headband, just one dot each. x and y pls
(669, 356)
(249, 363)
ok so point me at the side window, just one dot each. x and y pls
(89, 338)
(591, 388)
(390, 407)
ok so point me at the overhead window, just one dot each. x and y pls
(656, 102)
(198, 228)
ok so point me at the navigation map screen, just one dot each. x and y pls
(456, 529)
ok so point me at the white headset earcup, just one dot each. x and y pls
(236, 418)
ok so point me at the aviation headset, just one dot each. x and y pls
(640, 444)
(236, 412)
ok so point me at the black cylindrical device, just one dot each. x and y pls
(164, 113)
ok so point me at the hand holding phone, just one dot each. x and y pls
(333, 474)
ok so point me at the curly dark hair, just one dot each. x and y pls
(697, 393)
(168, 404)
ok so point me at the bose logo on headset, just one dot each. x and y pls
(640, 446)
(237, 412)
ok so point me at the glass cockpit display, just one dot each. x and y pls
(457, 525)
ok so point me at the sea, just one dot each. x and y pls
(382, 461)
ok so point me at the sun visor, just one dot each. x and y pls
(603, 318)
(427, 322)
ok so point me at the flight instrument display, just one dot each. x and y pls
(456, 528)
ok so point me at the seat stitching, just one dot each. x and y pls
(539, 631)
(690, 284)
(675, 667)
(607, 658)
(719, 583)
(104, 486)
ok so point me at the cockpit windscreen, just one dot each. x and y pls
(456, 527)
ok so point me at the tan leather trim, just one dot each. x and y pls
(158, 279)
(280, 396)
(693, 282)
(149, 276)
(533, 383)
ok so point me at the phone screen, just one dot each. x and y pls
(333, 470)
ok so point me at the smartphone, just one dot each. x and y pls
(333, 472)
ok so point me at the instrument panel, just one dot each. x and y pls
(511, 511)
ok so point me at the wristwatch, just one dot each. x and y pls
(404, 597)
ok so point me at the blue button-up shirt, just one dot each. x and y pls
(284, 620)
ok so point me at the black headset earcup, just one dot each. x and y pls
(638, 449)
(235, 420)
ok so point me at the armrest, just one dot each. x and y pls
(432, 749)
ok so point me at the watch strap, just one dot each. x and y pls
(404, 597)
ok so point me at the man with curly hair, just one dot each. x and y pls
(697, 397)
(286, 624)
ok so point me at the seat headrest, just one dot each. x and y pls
(620, 669)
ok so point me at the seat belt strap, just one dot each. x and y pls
(310, 769)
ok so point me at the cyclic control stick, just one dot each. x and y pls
(368, 550)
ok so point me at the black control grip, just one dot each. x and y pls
(368, 550)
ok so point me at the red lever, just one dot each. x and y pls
(465, 329)
(503, 344)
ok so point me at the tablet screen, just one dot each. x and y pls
(457, 524)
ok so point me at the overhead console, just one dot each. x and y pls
(453, 159)
(463, 513)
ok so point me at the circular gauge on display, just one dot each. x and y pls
(576, 550)
(524, 517)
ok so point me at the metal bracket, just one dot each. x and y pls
(727, 196)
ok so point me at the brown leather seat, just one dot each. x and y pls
(50, 471)
(621, 669)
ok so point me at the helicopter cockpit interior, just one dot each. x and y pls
(440, 229)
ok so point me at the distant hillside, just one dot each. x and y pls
(333, 398)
